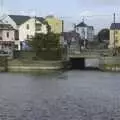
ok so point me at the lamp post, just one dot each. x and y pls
(1, 2)
(114, 48)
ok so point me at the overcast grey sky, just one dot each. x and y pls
(69, 10)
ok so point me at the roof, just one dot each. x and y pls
(6, 27)
(42, 20)
(115, 26)
(82, 24)
(19, 19)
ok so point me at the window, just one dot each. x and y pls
(16, 35)
(116, 39)
(27, 27)
(28, 37)
(38, 27)
(16, 47)
(0, 38)
(7, 34)
(116, 32)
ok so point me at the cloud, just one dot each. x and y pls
(95, 3)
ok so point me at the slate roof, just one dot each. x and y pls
(19, 19)
(82, 24)
(42, 20)
(115, 26)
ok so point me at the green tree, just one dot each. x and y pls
(45, 43)
(103, 35)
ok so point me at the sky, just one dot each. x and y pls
(98, 13)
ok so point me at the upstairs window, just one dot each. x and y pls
(28, 37)
(16, 35)
(38, 27)
(7, 34)
(28, 27)
(0, 38)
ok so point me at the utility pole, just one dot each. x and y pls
(114, 19)
(1, 5)
(62, 26)
(35, 24)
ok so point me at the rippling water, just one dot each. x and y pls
(72, 95)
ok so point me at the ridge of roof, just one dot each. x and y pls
(82, 24)
(19, 19)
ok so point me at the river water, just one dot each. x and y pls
(72, 95)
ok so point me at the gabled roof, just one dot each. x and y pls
(115, 26)
(82, 24)
(19, 19)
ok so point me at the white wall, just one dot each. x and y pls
(23, 31)
(90, 36)
(11, 35)
(89, 33)
(80, 31)
(8, 20)
(92, 63)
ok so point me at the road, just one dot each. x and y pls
(72, 95)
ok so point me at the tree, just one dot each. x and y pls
(45, 42)
(103, 35)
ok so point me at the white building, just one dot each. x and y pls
(25, 27)
(7, 36)
(85, 31)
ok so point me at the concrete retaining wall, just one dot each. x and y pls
(109, 64)
(24, 66)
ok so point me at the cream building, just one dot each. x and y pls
(114, 35)
(56, 24)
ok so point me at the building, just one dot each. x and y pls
(114, 35)
(86, 32)
(26, 27)
(7, 36)
(72, 39)
(55, 24)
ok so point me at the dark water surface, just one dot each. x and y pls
(73, 95)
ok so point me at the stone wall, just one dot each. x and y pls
(3, 64)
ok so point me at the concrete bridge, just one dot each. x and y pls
(81, 59)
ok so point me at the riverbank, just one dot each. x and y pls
(33, 66)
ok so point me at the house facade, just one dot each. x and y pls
(86, 32)
(26, 27)
(7, 36)
(114, 35)
(55, 24)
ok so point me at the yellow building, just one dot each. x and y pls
(55, 24)
(114, 35)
